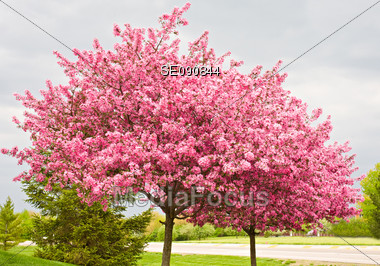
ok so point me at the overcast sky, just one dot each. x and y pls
(342, 75)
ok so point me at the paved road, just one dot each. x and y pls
(345, 254)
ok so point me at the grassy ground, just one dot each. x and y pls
(294, 240)
(28, 251)
(151, 259)
(24, 258)
(154, 259)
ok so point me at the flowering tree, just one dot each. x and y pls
(284, 175)
(122, 121)
(127, 120)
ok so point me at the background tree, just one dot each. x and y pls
(154, 225)
(204, 231)
(69, 230)
(10, 226)
(27, 224)
(184, 231)
(371, 204)
(356, 227)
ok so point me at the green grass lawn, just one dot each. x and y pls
(151, 259)
(24, 258)
(293, 240)
(154, 259)
(28, 251)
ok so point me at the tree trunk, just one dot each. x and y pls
(169, 224)
(252, 247)
(252, 241)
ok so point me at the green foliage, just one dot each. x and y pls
(71, 231)
(26, 224)
(204, 231)
(228, 231)
(356, 227)
(161, 233)
(153, 235)
(10, 226)
(184, 231)
(326, 226)
(269, 233)
(155, 223)
(219, 232)
(371, 204)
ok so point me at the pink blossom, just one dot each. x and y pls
(262, 165)
(245, 165)
(15, 120)
(116, 30)
(316, 113)
(250, 156)
(204, 162)
(196, 170)
(13, 151)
